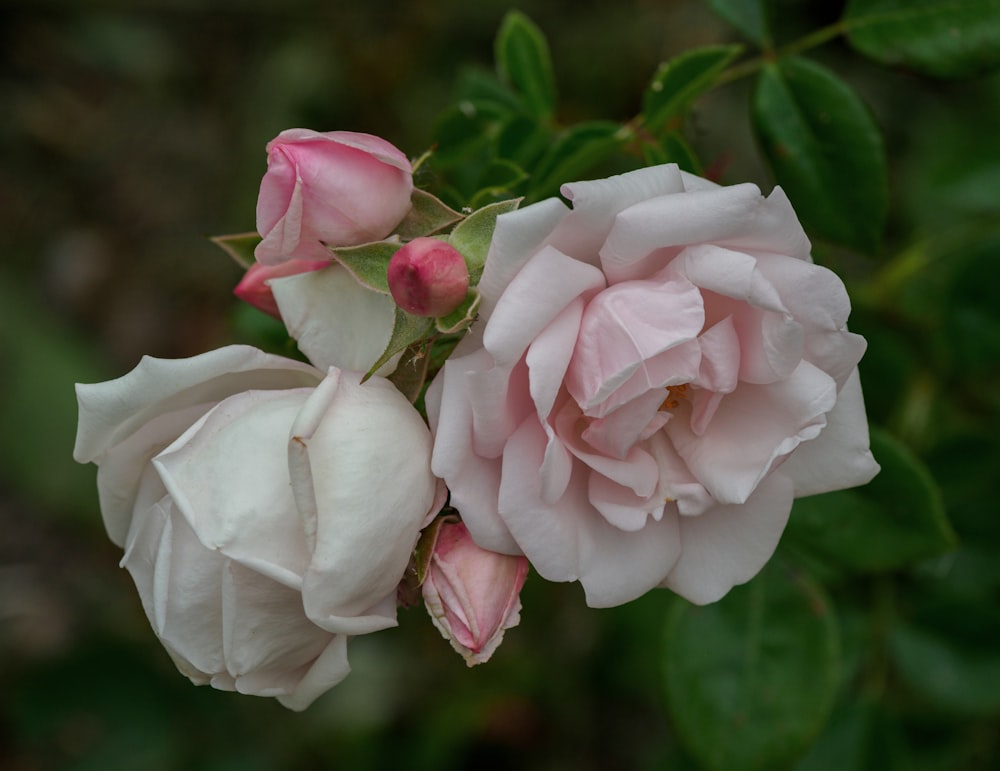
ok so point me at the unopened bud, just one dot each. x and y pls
(428, 277)
(472, 594)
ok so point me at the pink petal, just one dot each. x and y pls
(623, 328)
(516, 238)
(548, 283)
(728, 545)
(840, 456)
(570, 540)
(754, 426)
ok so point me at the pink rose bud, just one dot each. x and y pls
(254, 289)
(428, 277)
(341, 188)
(473, 595)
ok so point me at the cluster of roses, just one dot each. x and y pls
(643, 382)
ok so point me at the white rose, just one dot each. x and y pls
(249, 493)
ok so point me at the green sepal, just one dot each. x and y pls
(239, 246)
(425, 546)
(368, 263)
(411, 372)
(462, 316)
(428, 214)
(406, 330)
(679, 81)
(472, 236)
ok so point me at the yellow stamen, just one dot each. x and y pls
(674, 395)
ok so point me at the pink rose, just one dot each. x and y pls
(472, 595)
(661, 370)
(338, 187)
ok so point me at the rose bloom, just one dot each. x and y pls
(249, 494)
(657, 372)
(338, 187)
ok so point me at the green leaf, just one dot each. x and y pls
(239, 246)
(497, 183)
(893, 521)
(748, 16)
(522, 140)
(952, 674)
(407, 330)
(576, 150)
(461, 131)
(482, 87)
(462, 316)
(681, 80)
(946, 38)
(751, 679)
(680, 152)
(825, 151)
(472, 236)
(428, 214)
(523, 61)
(368, 263)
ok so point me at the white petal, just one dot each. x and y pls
(113, 410)
(228, 474)
(336, 321)
(354, 437)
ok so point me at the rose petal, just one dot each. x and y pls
(517, 236)
(570, 540)
(329, 668)
(537, 294)
(623, 329)
(239, 502)
(113, 410)
(336, 321)
(728, 545)
(840, 456)
(365, 530)
(752, 427)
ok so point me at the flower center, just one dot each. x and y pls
(674, 395)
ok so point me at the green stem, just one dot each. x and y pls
(796, 47)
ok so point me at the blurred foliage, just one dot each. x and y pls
(135, 128)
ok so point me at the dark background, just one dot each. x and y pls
(132, 130)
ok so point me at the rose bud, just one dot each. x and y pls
(472, 594)
(254, 288)
(341, 188)
(428, 277)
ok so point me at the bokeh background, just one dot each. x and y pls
(132, 129)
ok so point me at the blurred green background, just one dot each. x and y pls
(134, 128)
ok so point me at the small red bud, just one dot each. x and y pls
(428, 277)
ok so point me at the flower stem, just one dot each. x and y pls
(812, 40)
